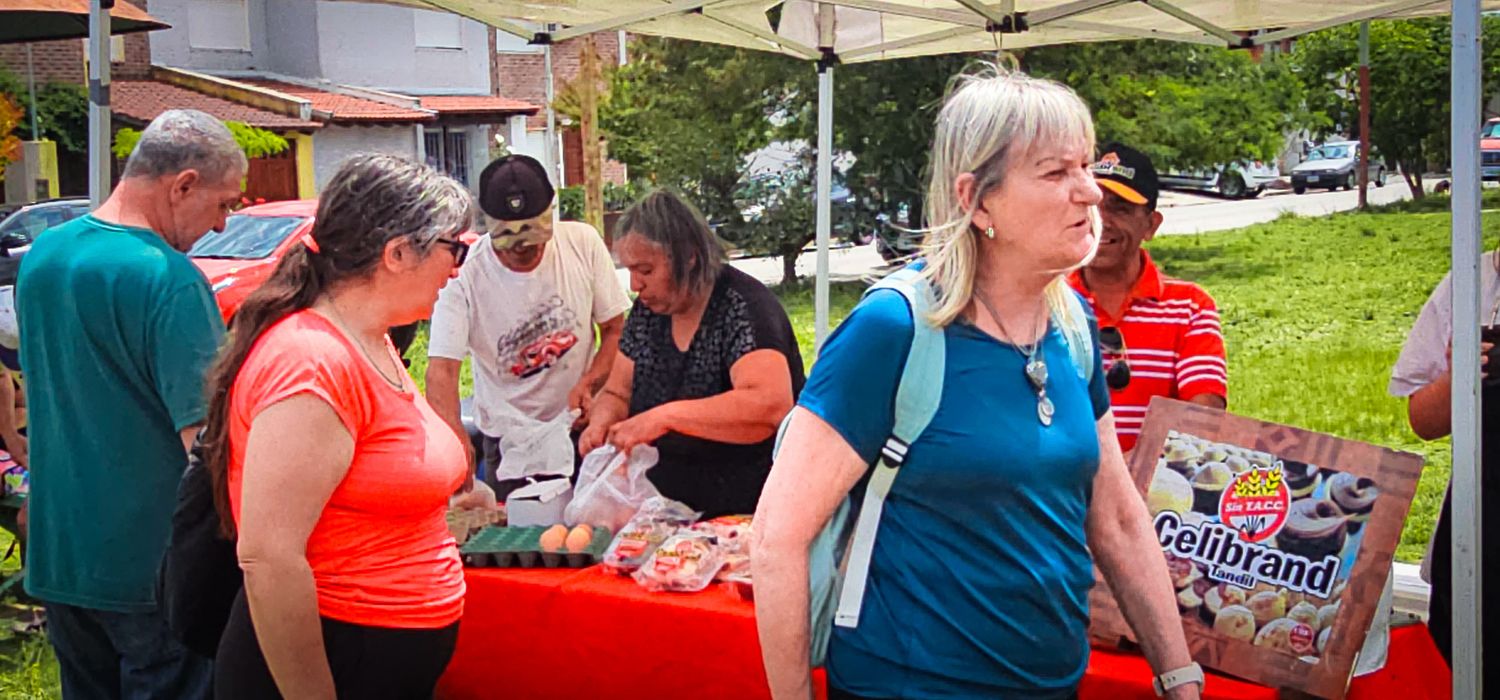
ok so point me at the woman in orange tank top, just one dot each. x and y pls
(328, 464)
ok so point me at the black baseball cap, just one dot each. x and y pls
(515, 188)
(1128, 173)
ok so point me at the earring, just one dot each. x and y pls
(990, 233)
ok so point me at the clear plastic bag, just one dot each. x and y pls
(658, 519)
(611, 488)
(733, 535)
(686, 563)
(536, 448)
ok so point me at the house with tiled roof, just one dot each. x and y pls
(375, 77)
(333, 78)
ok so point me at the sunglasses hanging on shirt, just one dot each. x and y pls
(1112, 344)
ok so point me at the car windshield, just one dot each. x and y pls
(1328, 153)
(31, 221)
(1491, 130)
(246, 237)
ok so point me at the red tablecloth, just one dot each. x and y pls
(566, 634)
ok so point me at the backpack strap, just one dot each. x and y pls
(917, 398)
(1073, 321)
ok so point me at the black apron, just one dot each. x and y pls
(1440, 606)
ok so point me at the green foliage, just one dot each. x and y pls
(616, 198)
(685, 115)
(1409, 85)
(1187, 106)
(254, 141)
(62, 111)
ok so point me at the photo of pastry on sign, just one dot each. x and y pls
(1277, 541)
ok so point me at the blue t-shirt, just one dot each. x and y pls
(979, 582)
(117, 329)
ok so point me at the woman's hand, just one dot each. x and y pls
(643, 429)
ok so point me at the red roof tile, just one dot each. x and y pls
(344, 108)
(144, 100)
(477, 104)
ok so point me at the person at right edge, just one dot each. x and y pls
(1424, 375)
(979, 579)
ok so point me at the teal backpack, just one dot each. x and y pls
(838, 561)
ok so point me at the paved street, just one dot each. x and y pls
(1182, 212)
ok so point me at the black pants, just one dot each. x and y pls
(374, 663)
(1440, 604)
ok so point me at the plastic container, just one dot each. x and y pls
(541, 503)
(520, 547)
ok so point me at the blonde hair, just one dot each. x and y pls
(991, 116)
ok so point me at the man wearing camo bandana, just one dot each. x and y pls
(525, 307)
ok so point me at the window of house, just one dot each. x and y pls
(505, 42)
(117, 49)
(219, 24)
(450, 156)
(438, 30)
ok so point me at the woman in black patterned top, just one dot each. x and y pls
(708, 363)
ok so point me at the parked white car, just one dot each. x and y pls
(1244, 179)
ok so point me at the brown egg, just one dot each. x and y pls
(552, 539)
(579, 539)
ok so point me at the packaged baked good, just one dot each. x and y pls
(686, 562)
(657, 519)
(732, 532)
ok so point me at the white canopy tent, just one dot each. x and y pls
(851, 31)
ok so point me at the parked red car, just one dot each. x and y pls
(254, 240)
(241, 258)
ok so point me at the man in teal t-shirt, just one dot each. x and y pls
(117, 330)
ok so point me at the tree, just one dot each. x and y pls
(10, 117)
(1409, 86)
(1185, 105)
(685, 115)
(62, 111)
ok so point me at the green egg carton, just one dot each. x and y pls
(520, 547)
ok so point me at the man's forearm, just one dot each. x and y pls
(604, 360)
(442, 395)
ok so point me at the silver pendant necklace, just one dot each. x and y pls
(1035, 365)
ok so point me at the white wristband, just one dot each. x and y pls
(1191, 673)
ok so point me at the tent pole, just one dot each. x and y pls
(1467, 527)
(99, 135)
(31, 85)
(825, 189)
(1364, 114)
(551, 151)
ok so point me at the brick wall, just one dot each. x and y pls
(137, 63)
(54, 61)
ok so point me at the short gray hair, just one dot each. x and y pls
(186, 139)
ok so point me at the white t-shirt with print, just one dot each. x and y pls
(531, 334)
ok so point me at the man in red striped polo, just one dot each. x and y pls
(1172, 343)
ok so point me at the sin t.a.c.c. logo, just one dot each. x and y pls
(1255, 504)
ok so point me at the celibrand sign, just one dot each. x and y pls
(1277, 540)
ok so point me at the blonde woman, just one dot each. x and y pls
(979, 579)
